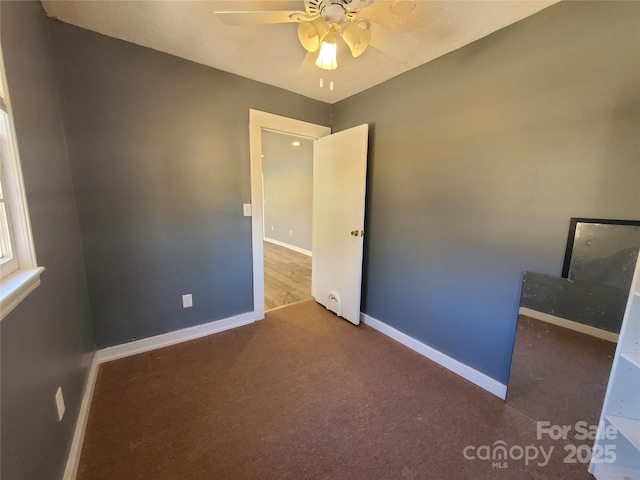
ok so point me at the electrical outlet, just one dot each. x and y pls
(60, 403)
(246, 209)
(187, 300)
(272, 228)
(291, 233)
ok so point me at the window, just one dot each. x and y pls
(8, 262)
(19, 273)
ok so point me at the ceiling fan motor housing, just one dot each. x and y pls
(335, 11)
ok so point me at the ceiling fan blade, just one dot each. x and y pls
(392, 43)
(259, 17)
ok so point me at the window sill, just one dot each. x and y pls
(15, 288)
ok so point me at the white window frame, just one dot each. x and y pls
(19, 271)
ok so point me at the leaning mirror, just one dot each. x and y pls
(568, 326)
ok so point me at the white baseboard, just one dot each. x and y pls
(289, 246)
(73, 461)
(171, 338)
(484, 381)
(132, 348)
(571, 325)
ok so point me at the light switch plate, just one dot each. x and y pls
(246, 209)
(187, 300)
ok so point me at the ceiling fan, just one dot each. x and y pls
(324, 23)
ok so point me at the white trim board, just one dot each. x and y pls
(133, 348)
(171, 338)
(73, 461)
(571, 325)
(289, 246)
(474, 376)
(259, 121)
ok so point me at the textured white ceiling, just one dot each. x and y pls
(272, 53)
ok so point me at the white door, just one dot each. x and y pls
(339, 182)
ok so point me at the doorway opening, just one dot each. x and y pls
(259, 123)
(287, 187)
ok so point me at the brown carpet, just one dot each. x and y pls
(557, 374)
(300, 395)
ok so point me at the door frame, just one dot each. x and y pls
(259, 121)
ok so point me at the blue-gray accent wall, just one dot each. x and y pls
(159, 150)
(47, 341)
(478, 161)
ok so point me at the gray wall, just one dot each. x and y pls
(159, 150)
(288, 189)
(596, 305)
(47, 341)
(478, 161)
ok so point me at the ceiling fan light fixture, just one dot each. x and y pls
(327, 56)
(357, 36)
(310, 33)
(308, 37)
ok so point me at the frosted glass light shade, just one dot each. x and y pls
(327, 56)
(357, 36)
(308, 36)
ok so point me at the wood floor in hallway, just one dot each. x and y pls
(287, 276)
